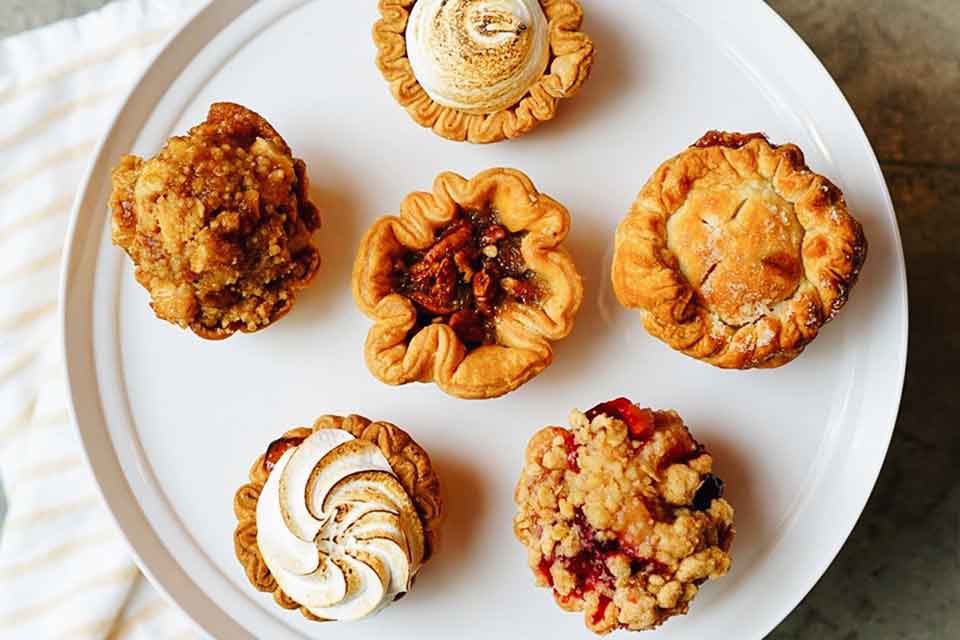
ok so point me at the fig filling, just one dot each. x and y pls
(276, 449)
(474, 266)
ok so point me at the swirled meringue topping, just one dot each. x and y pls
(478, 56)
(336, 528)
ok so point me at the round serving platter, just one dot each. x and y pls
(171, 423)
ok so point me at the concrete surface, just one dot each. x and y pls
(898, 62)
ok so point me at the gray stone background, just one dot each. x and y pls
(898, 62)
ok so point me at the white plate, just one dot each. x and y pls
(171, 423)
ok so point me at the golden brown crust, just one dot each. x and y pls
(218, 224)
(408, 460)
(523, 331)
(736, 253)
(571, 55)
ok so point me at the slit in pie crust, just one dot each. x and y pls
(468, 286)
(736, 253)
(622, 516)
(571, 56)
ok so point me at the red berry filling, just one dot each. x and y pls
(572, 462)
(276, 450)
(640, 421)
(589, 567)
(601, 611)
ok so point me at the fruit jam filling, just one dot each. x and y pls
(589, 566)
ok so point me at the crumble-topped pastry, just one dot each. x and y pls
(338, 519)
(482, 70)
(736, 253)
(218, 224)
(621, 515)
(468, 286)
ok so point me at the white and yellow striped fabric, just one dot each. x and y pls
(65, 571)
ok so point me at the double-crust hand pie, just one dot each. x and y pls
(218, 224)
(482, 70)
(736, 253)
(468, 286)
(621, 515)
(338, 519)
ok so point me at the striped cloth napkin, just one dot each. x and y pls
(65, 571)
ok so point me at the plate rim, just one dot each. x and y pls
(112, 484)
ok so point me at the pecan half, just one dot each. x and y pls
(434, 285)
(492, 235)
(484, 291)
(455, 238)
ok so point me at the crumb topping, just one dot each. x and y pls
(218, 224)
(622, 516)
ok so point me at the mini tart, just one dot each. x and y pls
(736, 253)
(621, 516)
(468, 286)
(218, 224)
(570, 60)
(409, 462)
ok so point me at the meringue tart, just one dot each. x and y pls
(736, 253)
(338, 519)
(622, 516)
(468, 286)
(218, 224)
(482, 70)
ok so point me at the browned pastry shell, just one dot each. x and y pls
(736, 253)
(571, 58)
(408, 460)
(396, 355)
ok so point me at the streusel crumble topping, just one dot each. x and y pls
(218, 224)
(622, 516)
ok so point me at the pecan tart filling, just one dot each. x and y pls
(622, 516)
(468, 286)
(464, 279)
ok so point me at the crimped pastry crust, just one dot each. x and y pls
(736, 253)
(408, 460)
(571, 57)
(523, 332)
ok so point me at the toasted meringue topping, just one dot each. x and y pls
(478, 56)
(336, 528)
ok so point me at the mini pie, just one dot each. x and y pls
(218, 224)
(482, 70)
(736, 253)
(468, 286)
(621, 515)
(338, 519)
